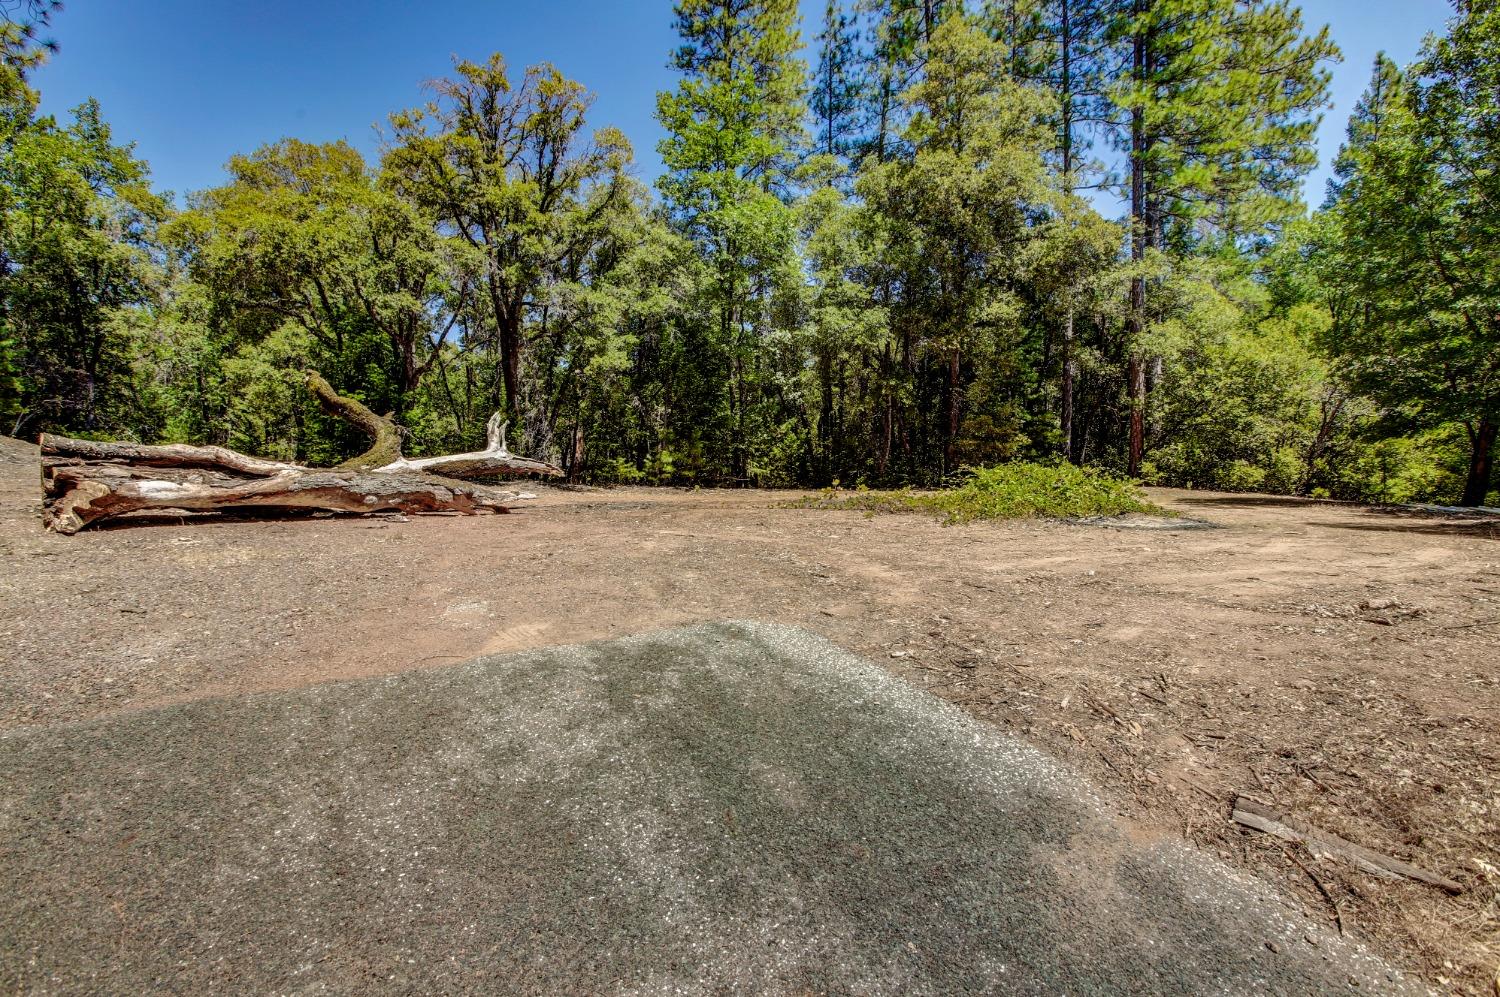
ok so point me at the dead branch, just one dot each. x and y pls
(1253, 814)
(383, 430)
(494, 459)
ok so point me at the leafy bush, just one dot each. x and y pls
(1016, 490)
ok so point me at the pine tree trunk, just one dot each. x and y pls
(1482, 443)
(825, 415)
(1069, 372)
(1135, 321)
(1136, 375)
(951, 442)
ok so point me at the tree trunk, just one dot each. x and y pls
(1136, 319)
(1482, 443)
(575, 468)
(85, 481)
(510, 365)
(1136, 375)
(1065, 95)
(77, 494)
(951, 430)
(384, 432)
(1069, 372)
(825, 413)
(1330, 408)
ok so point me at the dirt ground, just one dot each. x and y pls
(1337, 662)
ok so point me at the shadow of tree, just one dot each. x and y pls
(1375, 518)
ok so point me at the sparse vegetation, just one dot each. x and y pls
(1018, 490)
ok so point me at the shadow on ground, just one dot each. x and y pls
(1378, 518)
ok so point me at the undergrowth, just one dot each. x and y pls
(1018, 490)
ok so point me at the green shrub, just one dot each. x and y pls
(1016, 490)
(1241, 476)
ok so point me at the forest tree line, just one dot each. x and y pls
(876, 256)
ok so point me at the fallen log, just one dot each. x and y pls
(64, 449)
(80, 494)
(85, 481)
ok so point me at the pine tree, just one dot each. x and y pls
(837, 88)
(899, 30)
(1218, 111)
(734, 125)
(954, 215)
(1061, 45)
(1410, 252)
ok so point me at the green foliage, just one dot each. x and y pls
(879, 271)
(732, 125)
(77, 230)
(1228, 94)
(531, 204)
(1017, 490)
(1408, 250)
(951, 219)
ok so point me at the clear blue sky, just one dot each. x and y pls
(193, 81)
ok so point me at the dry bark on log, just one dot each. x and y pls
(84, 481)
(492, 460)
(80, 494)
(64, 449)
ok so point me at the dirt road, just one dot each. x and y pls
(1176, 668)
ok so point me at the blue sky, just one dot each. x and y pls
(193, 81)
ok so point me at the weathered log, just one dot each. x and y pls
(85, 481)
(80, 494)
(494, 459)
(489, 462)
(59, 450)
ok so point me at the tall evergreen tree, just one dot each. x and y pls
(1218, 112)
(836, 98)
(955, 215)
(1062, 46)
(898, 32)
(1411, 245)
(734, 125)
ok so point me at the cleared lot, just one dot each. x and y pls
(1175, 668)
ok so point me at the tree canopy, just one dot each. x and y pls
(913, 238)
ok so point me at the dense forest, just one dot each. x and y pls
(881, 252)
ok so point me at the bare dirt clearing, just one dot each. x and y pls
(1337, 662)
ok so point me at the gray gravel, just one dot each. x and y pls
(722, 808)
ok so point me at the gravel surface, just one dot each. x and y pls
(730, 807)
